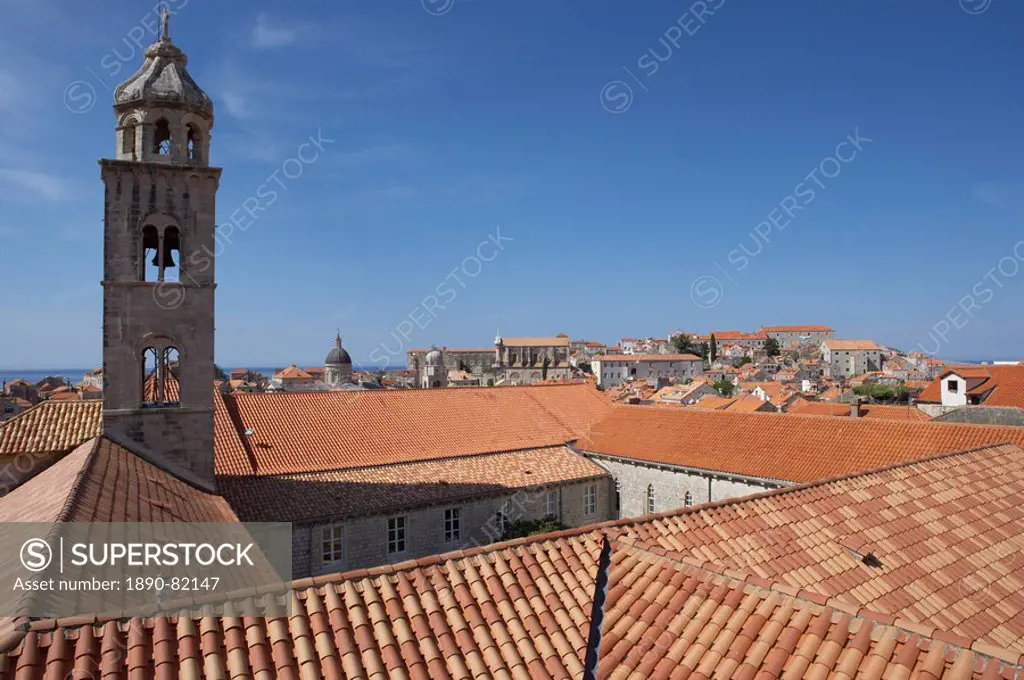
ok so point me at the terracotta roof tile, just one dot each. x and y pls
(363, 491)
(797, 329)
(51, 427)
(783, 446)
(521, 609)
(1004, 384)
(852, 345)
(319, 431)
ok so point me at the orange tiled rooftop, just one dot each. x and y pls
(774, 584)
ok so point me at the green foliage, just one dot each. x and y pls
(771, 347)
(218, 373)
(883, 393)
(522, 528)
(724, 387)
(705, 351)
(544, 369)
(713, 352)
(744, 361)
(684, 344)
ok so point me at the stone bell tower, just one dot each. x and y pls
(158, 264)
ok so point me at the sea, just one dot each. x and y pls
(75, 375)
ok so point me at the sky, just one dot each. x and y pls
(597, 168)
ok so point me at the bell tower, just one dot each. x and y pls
(158, 263)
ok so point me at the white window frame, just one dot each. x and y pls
(551, 503)
(650, 499)
(396, 534)
(452, 524)
(334, 536)
(590, 499)
(687, 500)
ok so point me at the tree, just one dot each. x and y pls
(724, 387)
(522, 527)
(713, 353)
(771, 347)
(743, 361)
(684, 344)
(218, 373)
(705, 350)
(544, 368)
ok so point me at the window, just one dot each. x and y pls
(128, 143)
(161, 252)
(396, 535)
(590, 500)
(952, 385)
(618, 497)
(650, 499)
(162, 138)
(687, 499)
(452, 525)
(160, 376)
(552, 504)
(331, 543)
(192, 143)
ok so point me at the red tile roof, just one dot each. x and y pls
(101, 481)
(1004, 384)
(837, 344)
(768, 586)
(318, 431)
(366, 491)
(876, 411)
(647, 357)
(51, 427)
(797, 329)
(782, 446)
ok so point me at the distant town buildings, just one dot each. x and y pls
(843, 359)
(799, 336)
(526, 361)
(612, 370)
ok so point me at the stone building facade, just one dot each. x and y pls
(478, 362)
(799, 336)
(367, 541)
(525, 361)
(612, 370)
(643, 488)
(844, 359)
(158, 273)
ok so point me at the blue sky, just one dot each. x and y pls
(451, 119)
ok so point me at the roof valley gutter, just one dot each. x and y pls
(597, 611)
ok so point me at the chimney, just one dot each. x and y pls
(855, 407)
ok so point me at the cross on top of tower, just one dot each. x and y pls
(165, 21)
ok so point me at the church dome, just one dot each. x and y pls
(163, 80)
(434, 358)
(338, 355)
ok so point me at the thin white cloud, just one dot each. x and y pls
(266, 35)
(237, 105)
(15, 182)
(998, 193)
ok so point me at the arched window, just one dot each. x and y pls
(162, 137)
(128, 141)
(150, 267)
(160, 370)
(192, 144)
(171, 270)
(161, 254)
(618, 497)
(687, 499)
(650, 499)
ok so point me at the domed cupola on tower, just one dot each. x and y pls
(435, 372)
(163, 115)
(337, 365)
